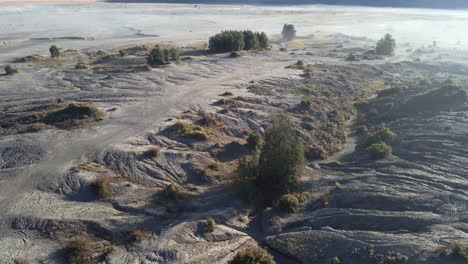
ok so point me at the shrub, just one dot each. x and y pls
(390, 91)
(460, 249)
(351, 57)
(247, 167)
(54, 51)
(288, 203)
(255, 140)
(10, 70)
(449, 95)
(235, 54)
(362, 129)
(373, 112)
(103, 187)
(382, 134)
(160, 55)
(173, 192)
(122, 53)
(188, 130)
(232, 40)
(386, 46)
(388, 105)
(305, 104)
(73, 115)
(288, 32)
(210, 225)
(138, 235)
(253, 256)
(379, 150)
(83, 250)
(153, 152)
(281, 161)
(81, 66)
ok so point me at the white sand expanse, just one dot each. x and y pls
(24, 25)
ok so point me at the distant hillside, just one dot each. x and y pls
(451, 4)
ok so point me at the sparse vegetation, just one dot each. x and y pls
(386, 46)
(173, 192)
(288, 203)
(368, 255)
(382, 134)
(153, 152)
(83, 249)
(103, 187)
(235, 54)
(161, 55)
(458, 249)
(210, 225)
(188, 130)
(288, 32)
(351, 57)
(449, 95)
(54, 51)
(73, 115)
(253, 256)
(81, 66)
(59, 113)
(123, 53)
(10, 70)
(379, 150)
(255, 140)
(138, 235)
(232, 40)
(390, 91)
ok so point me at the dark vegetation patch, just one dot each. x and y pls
(253, 256)
(10, 70)
(379, 150)
(457, 250)
(449, 95)
(60, 114)
(161, 55)
(189, 130)
(84, 249)
(288, 32)
(368, 255)
(103, 187)
(275, 167)
(81, 66)
(232, 40)
(210, 225)
(138, 235)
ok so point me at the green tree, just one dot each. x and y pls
(54, 51)
(251, 40)
(281, 162)
(263, 40)
(289, 32)
(386, 46)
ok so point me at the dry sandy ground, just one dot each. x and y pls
(145, 99)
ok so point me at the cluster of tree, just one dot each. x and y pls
(386, 46)
(160, 55)
(277, 164)
(289, 32)
(233, 40)
(54, 51)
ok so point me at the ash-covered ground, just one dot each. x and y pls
(103, 178)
